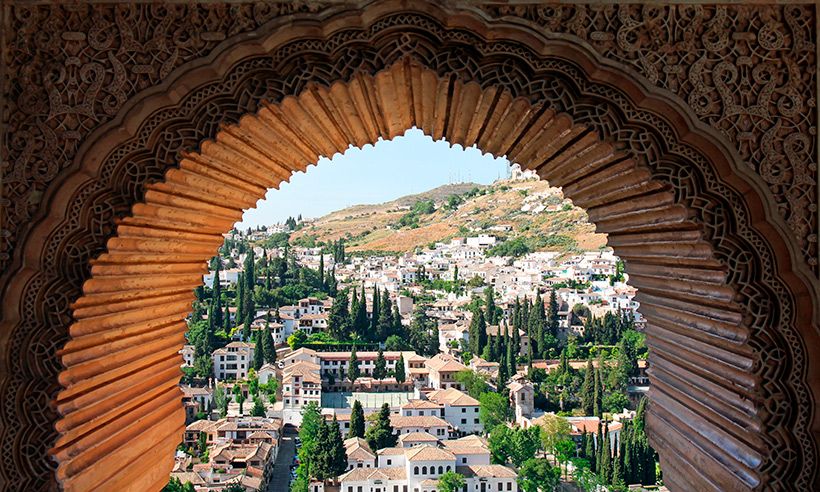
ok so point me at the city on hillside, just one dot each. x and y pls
(471, 338)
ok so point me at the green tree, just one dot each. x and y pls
(353, 366)
(398, 372)
(525, 443)
(268, 347)
(493, 410)
(337, 463)
(338, 321)
(489, 304)
(297, 340)
(500, 443)
(537, 475)
(322, 271)
(597, 407)
(356, 421)
(360, 322)
(423, 335)
(239, 396)
(259, 350)
(175, 485)
(474, 384)
(552, 314)
(385, 326)
(396, 343)
(374, 315)
(380, 367)
(605, 464)
(221, 400)
(564, 450)
(380, 433)
(588, 390)
(553, 430)
(478, 332)
(450, 482)
(590, 453)
(258, 409)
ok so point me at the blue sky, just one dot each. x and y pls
(405, 165)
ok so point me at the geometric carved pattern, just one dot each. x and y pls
(749, 72)
(770, 365)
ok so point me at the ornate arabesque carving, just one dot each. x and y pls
(89, 220)
(749, 72)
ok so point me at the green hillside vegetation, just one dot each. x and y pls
(504, 209)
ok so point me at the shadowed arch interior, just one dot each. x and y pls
(121, 364)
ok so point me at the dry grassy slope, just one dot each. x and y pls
(368, 227)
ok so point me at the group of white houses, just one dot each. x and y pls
(306, 373)
(417, 468)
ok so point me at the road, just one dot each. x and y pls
(280, 478)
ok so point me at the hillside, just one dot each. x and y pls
(527, 209)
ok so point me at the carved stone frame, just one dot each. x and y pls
(733, 207)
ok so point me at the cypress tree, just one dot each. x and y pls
(478, 332)
(380, 367)
(321, 457)
(240, 298)
(516, 340)
(353, 366)
(356, 421)
(206, 344)
(535, 324)
(553, 314)
(249, 312)
(354, 306)
(588, 390)
(258, 351)
(360, 324)
(617, 473)
(398, 328)
(268, 347)
(590, 452)
(380, 434)
(398, 372)
(489, 303)
(385, 325)
(374, 315)
(227, 327)
(338, 321)
(217, 296)
(337, 457)
(322, 285)
(606, 458)
(628, 453)
(511, 352)
(597, 405)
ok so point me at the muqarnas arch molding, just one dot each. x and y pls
(729, 297)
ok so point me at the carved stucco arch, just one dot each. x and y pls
(729, 206)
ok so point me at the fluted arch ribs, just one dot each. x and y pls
(121, 417)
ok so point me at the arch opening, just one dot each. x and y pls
(130, 320)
